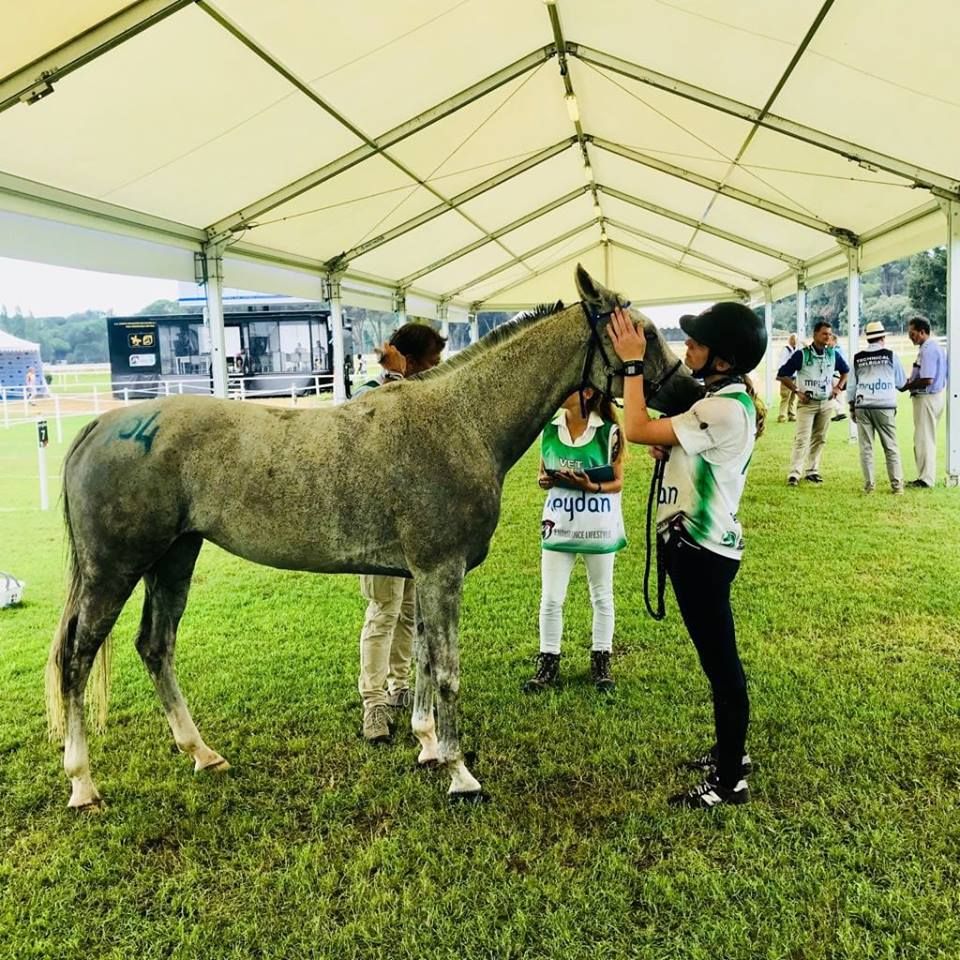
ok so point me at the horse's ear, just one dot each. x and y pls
(585, 285)
(594, 293)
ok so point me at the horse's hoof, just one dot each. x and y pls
(215, 766)
(475, 797)
(91, 808)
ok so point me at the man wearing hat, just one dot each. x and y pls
(876, 377)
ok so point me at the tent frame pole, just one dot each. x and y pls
(952, 210)
(210, 267)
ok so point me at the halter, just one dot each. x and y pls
(650, 387)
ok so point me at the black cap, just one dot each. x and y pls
(732, 331)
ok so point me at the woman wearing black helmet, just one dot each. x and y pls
(707, 451)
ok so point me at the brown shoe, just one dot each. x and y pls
(376, 724)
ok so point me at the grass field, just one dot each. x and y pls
(317, 846)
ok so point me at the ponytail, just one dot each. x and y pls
(760, 406)
(607, 409)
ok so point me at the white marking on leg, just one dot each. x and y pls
(425, 730)
(76, 762)
(462, 780)
(189, 741)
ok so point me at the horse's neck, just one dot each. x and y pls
(510, 391)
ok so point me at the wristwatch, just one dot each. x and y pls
(633, 368)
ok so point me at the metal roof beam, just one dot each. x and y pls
(455, 201)
(841, 234)
(408, 128)
(795, 262)
(97, 213)
(904, 220)
(537, 273)
(569, 92)
(682, 248)
(540, 248)
(483, 241)
(678, 266)
(338, 262)
(35, 81)
(939, 184)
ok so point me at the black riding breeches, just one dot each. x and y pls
(701, 581)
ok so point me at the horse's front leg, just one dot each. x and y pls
(439, 593)
(422, 722)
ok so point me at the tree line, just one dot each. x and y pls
(891, 294)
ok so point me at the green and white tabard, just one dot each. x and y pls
(815, 376)
(577, 521)
(704, 478)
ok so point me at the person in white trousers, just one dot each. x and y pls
(927, 389)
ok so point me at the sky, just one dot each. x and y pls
(45, 291)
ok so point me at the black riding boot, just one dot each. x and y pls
(600, 670)
(546, 674)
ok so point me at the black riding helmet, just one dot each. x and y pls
(731, 331)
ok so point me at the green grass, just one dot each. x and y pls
(317, 846)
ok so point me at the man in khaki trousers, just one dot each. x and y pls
(927, 388)
(788, 397)
(386, 640)
(810, 374)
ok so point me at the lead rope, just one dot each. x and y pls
(656, 482)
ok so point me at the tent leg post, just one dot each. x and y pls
(952, 210)
(853, 317)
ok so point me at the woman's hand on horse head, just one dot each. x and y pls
(392, 360)
(628, 340)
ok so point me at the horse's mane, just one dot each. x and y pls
(506, 331)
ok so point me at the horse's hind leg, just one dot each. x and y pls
(98, 607)
(167, 585)
(422, 722)
(439, 593)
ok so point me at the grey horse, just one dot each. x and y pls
(404, 481)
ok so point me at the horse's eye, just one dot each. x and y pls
(649, 334)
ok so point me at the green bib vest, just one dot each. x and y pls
(576, 521)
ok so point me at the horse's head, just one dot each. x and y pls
(668, 384)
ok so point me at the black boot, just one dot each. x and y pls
(600, 670)
(547, 672)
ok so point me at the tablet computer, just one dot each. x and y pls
(596, 474)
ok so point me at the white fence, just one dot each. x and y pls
(86, 400)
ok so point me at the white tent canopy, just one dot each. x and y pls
(447, 155)
(429, 145)
(11, 344)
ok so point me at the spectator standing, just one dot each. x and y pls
(809, 374)
(838, 413)
(875, 378)
(30, 385)
(927, 386)
(788, 398)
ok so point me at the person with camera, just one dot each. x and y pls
(809, 373)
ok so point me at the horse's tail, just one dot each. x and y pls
(100, 678)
